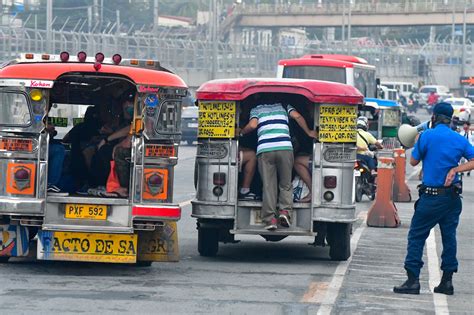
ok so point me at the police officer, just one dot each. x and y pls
(440, 149)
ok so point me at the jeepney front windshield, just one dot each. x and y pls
(14, 109)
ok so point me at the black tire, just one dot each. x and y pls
(339, 239)
(141, 263)
(4, 259)
(208, 242)
(358, 190)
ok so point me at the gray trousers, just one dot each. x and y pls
(275, 168)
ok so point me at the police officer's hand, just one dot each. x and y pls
(450, 177)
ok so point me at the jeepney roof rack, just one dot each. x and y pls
(81, 57)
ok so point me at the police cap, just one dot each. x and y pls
(444, 109)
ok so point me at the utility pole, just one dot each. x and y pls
(343, 28)
(463, 65)
(214, 39)
(155, 14)
(49, 26)
(117, 29)
(349, 35)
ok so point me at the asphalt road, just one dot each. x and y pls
(251, 277)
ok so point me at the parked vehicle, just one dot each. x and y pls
(462, 107)
(138, 225)
(329, 214)
(403, 88)
(189, 124)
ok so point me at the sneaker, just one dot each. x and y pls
(54, 190)
(272, 225)
(284, 218)
(247, 196)
(83, 190)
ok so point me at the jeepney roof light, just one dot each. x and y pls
(45, 57)
(29, 56)
(64, 56)
(81, 56)
(134, 62)
(116, 59)
(150, 63)
(99, 57)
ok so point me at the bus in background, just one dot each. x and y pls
(350, 70)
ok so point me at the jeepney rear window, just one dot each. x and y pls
(331, 74)
(14, 109)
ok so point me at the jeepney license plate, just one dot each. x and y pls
(85, 211)
(93, 247)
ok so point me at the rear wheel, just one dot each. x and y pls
(358, 190)
(339, 239)
(4, 259)
(208, 242)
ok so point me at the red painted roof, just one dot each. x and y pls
(51, 71)
(347, 58)
(315, 91)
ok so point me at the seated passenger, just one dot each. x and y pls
(364, 139)
(56, 155)
(100, 166)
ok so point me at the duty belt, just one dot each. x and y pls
(439, 191)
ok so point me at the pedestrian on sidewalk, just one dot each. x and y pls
(440, 149)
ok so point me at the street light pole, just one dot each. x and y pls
(49, 21)
(349, 35)
(463, 65)
(343, 28)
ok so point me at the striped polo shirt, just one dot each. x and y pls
(272, 129)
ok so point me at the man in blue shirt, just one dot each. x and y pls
(440, 149)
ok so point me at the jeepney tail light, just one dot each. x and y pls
(64, 56)
(169, 212)
(29, 56)
(117, 59)
(330, 181)
(81, 56)
(45, 57)
(218, 179)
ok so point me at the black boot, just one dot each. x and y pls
(411, 286)
(446, 284)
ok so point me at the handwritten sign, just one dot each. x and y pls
(216, 119)
(337, 123)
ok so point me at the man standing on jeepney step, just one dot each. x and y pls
(440, 149)
(275, 157)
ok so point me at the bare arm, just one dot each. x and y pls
(302, 123)
(123, 132)
(251, 126)
(414, 162)
(458, 169)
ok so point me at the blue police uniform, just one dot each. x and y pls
(440, 149)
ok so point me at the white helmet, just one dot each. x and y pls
(362, 122)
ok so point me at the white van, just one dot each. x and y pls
(404, 88)
(389, 94)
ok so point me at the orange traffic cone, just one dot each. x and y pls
(401, 192)
(383, 212)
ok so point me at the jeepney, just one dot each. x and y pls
(41, 89)
(385, 122)
(330, 213)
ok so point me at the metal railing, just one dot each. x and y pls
(393, 59)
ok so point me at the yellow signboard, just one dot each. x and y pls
(159, 245)
(337, 123)
(216, 119)
(95, 247)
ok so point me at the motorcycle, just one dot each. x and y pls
(365, 181)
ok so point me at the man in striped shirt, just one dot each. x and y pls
(275, 158)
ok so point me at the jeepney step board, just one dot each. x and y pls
(280, 231)
(258, 204)
(88, 228)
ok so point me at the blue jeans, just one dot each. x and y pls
(56, 155)
(370, 161)
(429, 211)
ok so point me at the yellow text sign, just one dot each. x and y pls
(216, 119)
(159, 245)
(337, 123)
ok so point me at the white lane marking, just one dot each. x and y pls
(440, 301)
(185, 203)
(415, 172)
(338, 277)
